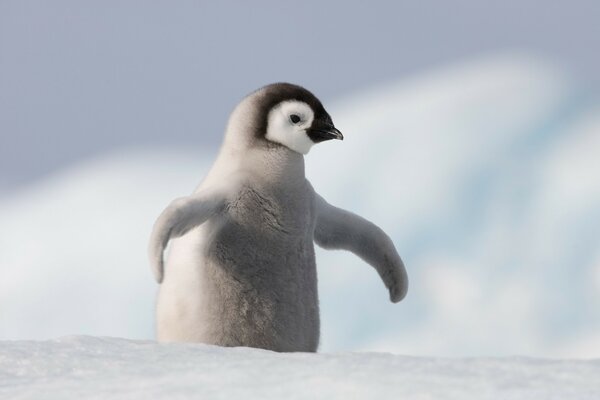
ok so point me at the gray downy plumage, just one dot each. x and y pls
(241, 269)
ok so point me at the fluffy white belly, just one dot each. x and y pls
(180, 297)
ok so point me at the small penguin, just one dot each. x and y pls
(240, 270)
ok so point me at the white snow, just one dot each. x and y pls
(484, 174)
(82, 367)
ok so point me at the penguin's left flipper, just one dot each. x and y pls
(182, 215)
(340, 229)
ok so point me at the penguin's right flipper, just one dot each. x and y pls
(182, 215)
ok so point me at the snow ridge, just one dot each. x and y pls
(89, 367)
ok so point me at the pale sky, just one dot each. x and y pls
(78, 79)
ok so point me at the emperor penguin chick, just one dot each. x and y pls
(241, 266)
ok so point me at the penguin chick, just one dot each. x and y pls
(241, 266)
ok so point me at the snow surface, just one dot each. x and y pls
(81, 367)
(484, 174)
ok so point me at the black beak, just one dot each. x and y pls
(321, 131)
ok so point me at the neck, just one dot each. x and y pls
(276, 164)
(270, 163)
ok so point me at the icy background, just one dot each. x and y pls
(484, 172)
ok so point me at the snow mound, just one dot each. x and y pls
(100, 368)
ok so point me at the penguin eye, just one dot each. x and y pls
(294, 118)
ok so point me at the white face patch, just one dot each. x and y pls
(287, 124)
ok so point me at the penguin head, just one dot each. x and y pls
(297, 125)
(287, 115)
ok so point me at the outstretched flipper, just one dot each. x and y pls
(182, 215)
(341, 229)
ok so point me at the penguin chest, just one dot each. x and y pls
(277, 215)
(265, 230)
